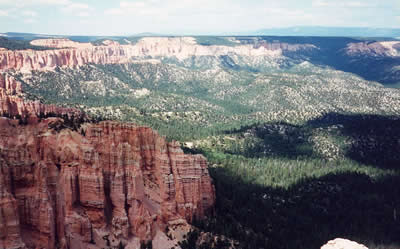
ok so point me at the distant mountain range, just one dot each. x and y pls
(375, 59)
(330, 31)
(288, 31)
(33, 36)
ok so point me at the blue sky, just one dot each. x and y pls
(126, 17)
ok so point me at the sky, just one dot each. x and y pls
(128, 17)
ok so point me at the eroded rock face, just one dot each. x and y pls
(10, 230)
(343, 244)
(375, 49)
(60, 43)
(79, 54)
(106, 184)
(12, 103)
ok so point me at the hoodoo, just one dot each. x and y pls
(100, 185)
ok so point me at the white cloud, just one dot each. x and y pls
(173, 8)
(284, 12)
(77, 6)
(6, 2)
(207, 16)
(357, 4)
(50, 2)
(338, 4)
(3, 13)
(23, 3)
(320, 3)
(29, 20)
(114, 12)
(78, 9)
(132, 5)
(66, 6)
(29, 13)
(282, 17)
(136, 8)
(83, 14)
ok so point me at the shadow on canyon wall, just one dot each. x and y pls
(331, 52)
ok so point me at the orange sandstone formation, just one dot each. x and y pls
(72, 54)
(106, 184)
(11, 103)
(374, 49)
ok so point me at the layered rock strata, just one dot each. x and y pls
(101, 186)
(12, 104)
(112, 52)
(59, 43)
(107, 184)
(374, 49)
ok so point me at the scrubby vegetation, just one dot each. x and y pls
(299, 154)
(288, 201)
(216, 40)
(170, 96)
(12, 44)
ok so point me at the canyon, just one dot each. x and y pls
(72, 54)
(104, 185)
(346, 54)
(12, 102)
(383, 49)
(254, 106)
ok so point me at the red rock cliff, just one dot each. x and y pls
(374, 49)
(107, 183)
(26, 60)
(78, 54)
(12, 103)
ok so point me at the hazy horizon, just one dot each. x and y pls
(279, 31)
(127, 17)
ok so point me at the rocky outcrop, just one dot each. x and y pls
(283, 46)
(59, 43)
(374, 49)
(112, 52)
(375, 61)
(107, 184)
(12, 104)
(10, 230)
(343, 244)
(26, 60)
(9, 85)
